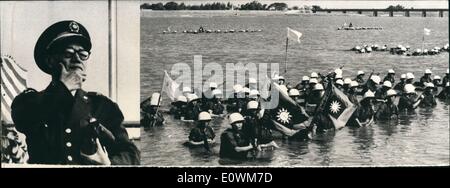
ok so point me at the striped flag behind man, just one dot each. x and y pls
(13, 82)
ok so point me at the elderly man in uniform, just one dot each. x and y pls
(63, 123)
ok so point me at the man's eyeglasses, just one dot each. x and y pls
(83, 54)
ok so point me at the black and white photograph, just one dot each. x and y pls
(69, 83)
(203, 84)
(294, 83)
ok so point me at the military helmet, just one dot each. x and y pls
(252, 105)
(429, 84)
(360, 72)
(436, 77)
(376, 79)
(186, 89)
(59, 33)
(217, 93)
(369, 94)
(313, 81)
(181, 98)
(391, 71)
(354, 84)
(192, 97)
(246, 90)
(252, 81)
(314, 75)
(235, 117)
(212, 85)
(318, 87)
(427, 71)
(347, 81)
(403, 76)
(254, 93)
(391, 92)
(340, 82)
(237, 88)
(409, 76)
(204, 116)
(409, 88)
(294, 92)
(387, 83)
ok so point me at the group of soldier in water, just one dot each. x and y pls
(375, 99)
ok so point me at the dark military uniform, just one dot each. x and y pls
(425, 79)
(198, 134)
(400, 86)
(389, 78)
(192, 111)
(177, 109)
(429, 100)
(364, 113)
(381, 93)
(406, 102)
(55, 123)
(215, 105)
(360, 79)
(151, 117)
(236, 104)
(370, 85)
(230, 139)
(445, 80)
(444, 94)
(386, 111)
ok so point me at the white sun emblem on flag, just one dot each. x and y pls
(335, 107)
(283, 116)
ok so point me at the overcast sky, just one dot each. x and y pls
(329, 3)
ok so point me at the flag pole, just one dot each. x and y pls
(285, 55)
(159, 99)
(423, 40)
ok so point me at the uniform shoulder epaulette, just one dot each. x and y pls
(29, 90)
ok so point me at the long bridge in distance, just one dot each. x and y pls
(391, 12)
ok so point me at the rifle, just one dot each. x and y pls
(370, 75)
(321, 106)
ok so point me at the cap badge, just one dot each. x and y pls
(73, 26)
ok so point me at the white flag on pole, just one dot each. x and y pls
(170, 87)
(426, 31)
(293, 35)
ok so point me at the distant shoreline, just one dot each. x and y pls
(272, 12)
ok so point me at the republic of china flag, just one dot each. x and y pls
(336, 106)
(286, 113)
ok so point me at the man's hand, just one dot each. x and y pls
(72, 79)
(100, 157)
